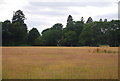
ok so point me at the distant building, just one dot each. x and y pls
(119, 10)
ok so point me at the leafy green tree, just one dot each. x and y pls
(18, 16)
(19, 33)
(105, 20)
(39, 41)
(82, 19)
(45, 30)
(100, 20)
(86, 38)
(6, 33)
(70, 19)
(118, 37)
(18, 29)
(100, 33)
(91, 33)
(114, 32)
(57, 26)
(78, 27)
(32, 36)
(90, 20)
(52, 37)
(70, 38)
(70, 24)
(15, 33)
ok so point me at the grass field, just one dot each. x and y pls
(60, 62)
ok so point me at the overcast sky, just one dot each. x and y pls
(43, 14)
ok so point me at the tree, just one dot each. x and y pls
(18, 16)
(52, 37)
(91, 33)
(100, 33)
(15, 33)
(105, 20)
(19, 33)
(45, 30)
(39, 41)
(70, 19)
(70, 26)
(89, 20)
(114, 33)
(19, 28)
(57, 26)
(32, 36)
(70, 38)
(82, 19)
(6, 33)
(78, 27)
(86, 38)
(100, 20)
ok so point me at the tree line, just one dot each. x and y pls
(76, 33)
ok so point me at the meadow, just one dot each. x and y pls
(60, 62)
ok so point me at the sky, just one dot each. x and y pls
(43, 14)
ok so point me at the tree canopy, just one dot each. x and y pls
(32, 36)
(75, 33)
(18, 16)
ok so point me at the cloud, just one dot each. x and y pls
(47, 12)
(119, 10)
(57, 12)
(1, 1)
(37, 23)
(108, 16)
(69, 4)
(43, 14)
(43, 22)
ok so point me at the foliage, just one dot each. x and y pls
(32, 36)
(76, 33)
(19, 33)
(18, 16)
(52, 37)
(6, 33)
(70, 38)
(15, 33)
(39, 41)
(89, 20)
(58, 26)
(70, 19)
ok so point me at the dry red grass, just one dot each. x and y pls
(59, 63)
